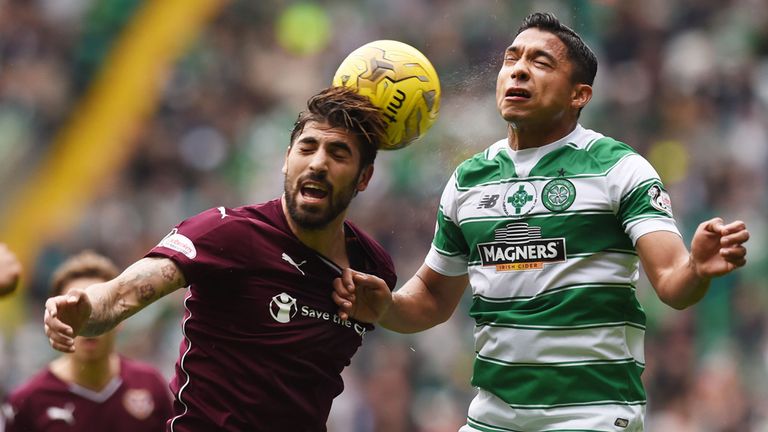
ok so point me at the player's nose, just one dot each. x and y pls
(319, 161)
(519, 70)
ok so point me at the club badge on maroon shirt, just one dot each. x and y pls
(264, 347)
(139, 403)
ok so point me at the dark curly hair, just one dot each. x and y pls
(343, 107)
(583, 59)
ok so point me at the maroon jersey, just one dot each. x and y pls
(137, 400)
(263, 347)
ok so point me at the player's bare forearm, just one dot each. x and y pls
(139, 285)
(426, 300)
(682, 278)
(681, 286)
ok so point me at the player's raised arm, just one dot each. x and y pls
(681, 278)
(100, 307)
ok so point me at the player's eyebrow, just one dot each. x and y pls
(333, 145)
(537, 52)
(342, 145)
(307, 140)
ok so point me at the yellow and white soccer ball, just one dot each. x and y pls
(401, 81)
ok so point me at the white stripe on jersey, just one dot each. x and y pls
(516, 345)
(497, 416)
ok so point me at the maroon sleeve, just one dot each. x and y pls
(206, 245)
(382, 264)
(386, 268)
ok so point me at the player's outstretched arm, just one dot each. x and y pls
(426, 300)
(10, 270)
(100, 307)
(681, 278)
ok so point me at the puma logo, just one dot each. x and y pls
(66, 414)
(223, 212)
(290, 261)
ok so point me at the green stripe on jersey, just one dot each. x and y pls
(485, 427)
(567, 307)
(479, 169)
(600, 157)
(597, 160)
(637, 203)
(584, 233)
(448, 239)
(566, 385)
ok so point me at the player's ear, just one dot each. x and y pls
(364, 178)
(581, 95)
(285, 161)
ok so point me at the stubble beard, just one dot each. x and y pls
(311, 217)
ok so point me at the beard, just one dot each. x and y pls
(311, 217)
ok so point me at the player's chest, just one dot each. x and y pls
(284, 297)
(125, 411)
(533, 197)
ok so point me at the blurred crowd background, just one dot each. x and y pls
(685, 82)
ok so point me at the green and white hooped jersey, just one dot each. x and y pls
(547, 237)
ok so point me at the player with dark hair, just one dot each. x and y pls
(10, 270)
(92, 388)
(263, 348)
(548, 226)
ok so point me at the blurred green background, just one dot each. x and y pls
(120, 118)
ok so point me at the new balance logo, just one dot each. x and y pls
(488, 201)
(290, 261)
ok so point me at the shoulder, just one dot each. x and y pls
(604, 150)
(41, 381)
(482, 166)
(226, 221)
(134, 368)
(385, 267)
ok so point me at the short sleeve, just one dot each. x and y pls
(449, 252)
(641, 202)
(204, 245)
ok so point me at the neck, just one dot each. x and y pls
(523, 136)
(93, 375)
(328, 240)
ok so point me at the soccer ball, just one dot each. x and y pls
(398, 79)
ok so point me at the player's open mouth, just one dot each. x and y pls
(517, 93)
(313, 191)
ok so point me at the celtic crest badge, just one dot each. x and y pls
(558, 194)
